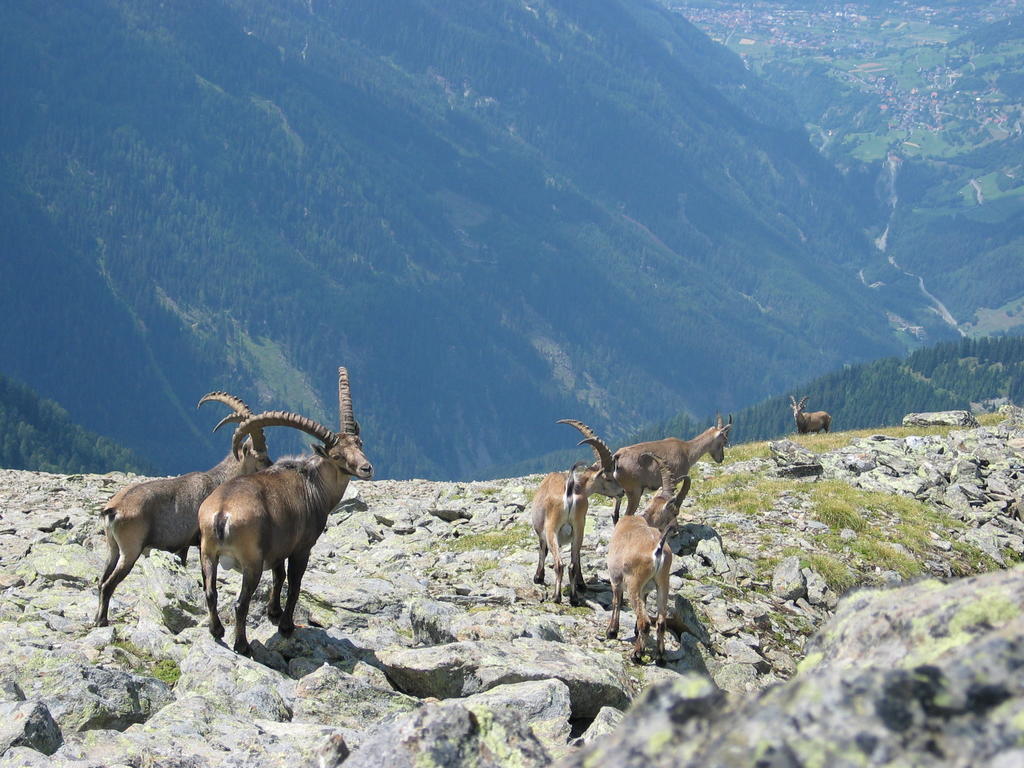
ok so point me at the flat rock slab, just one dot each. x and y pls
(453, 735)
(595, 678)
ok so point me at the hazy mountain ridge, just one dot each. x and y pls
(574, 209)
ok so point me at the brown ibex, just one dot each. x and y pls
(636, 473)
(257, 522)
(809, 422)
(560, 512)
(639, 558)
(163, 514)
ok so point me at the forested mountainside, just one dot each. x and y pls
(38, 434)
(495, 214)
(967, 374)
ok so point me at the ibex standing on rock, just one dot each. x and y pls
(809, 422)
(560, 511)
(636, 473)
(163, 514)
(256, 523)
(639, 558)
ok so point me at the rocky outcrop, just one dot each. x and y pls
(422, 634)
(926, 675)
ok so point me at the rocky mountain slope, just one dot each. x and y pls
(425, 641)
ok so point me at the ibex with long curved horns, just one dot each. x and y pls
(636, 473)
(258, 522)
(164, 513)
(560, 511)
(809, 422)
(639, 558)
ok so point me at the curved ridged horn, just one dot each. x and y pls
(346, 420)
(601, 451)
(804, 401)
(792, 400)
(587, 431)
(241, 412)
(234, 418)
(718, 420)
(257, 423)
(234, 403)
(604, 453)
(667, 484)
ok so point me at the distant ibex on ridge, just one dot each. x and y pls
(260, 521)
(809, 422)
(163, 514)
(637, 473)
(639, 558)
(560, 511)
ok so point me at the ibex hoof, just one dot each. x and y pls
(286, 627)
(636, 658)
(101, 621)
(611, 634)
(274, 614)
(217, 630)
(242, 648)
(538, 579)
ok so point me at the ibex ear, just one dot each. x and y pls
(355, 427)
(319, 450)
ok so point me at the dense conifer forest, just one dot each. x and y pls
(37, 434)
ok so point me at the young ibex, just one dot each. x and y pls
(636, 473)
(163, 514)
(639, 558)
(560, 512)
(809, 422)
(257, 522)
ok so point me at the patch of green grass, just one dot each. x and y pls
(165, 670)
(885, 556)
(835, 505)
(835, 573)
(519, 536)
(483, 566)
(744, 493)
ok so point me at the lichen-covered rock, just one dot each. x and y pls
(788, 582)
(606, 721)
(84, 697)
(28, 724)
(544, 705)
(232, 683)
(940, 419)
(595, 678)
(926, 675)
(330, 696)
(173, 597)
(452, 735)
(664, 727)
